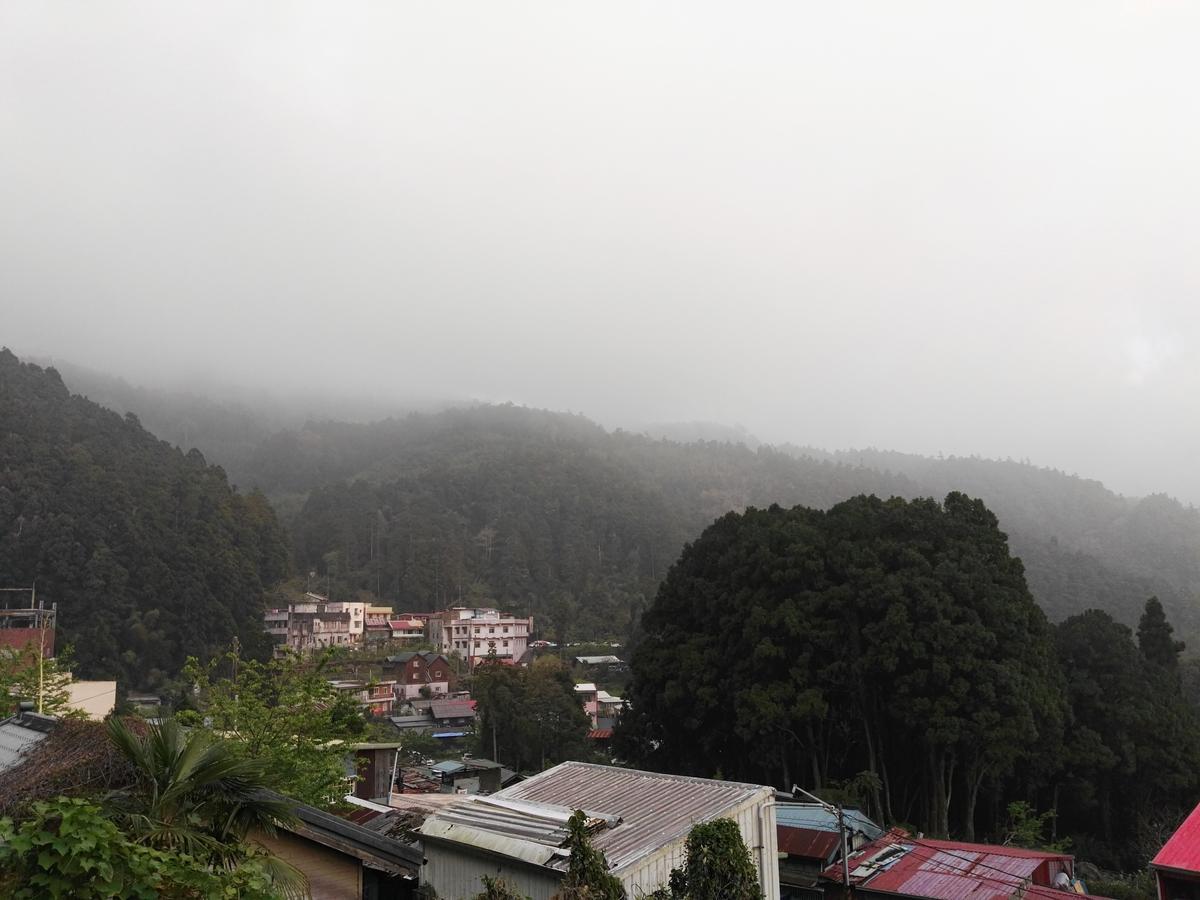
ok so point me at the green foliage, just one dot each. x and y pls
(1027, 828)
(1132, 753)
(497, 889)
(531, 716)
(284, 714)
(67, 848)
(1155, 637)
(21, 680)
(587, 877)
(717, 866)
(909, 620)
(191, 792)
(1131, 886)
(147, 551)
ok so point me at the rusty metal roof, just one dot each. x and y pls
(643, 812)
(898, 863)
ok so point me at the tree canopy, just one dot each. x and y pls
(892, 637)
(146, 550)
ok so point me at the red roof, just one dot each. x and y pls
(1181, 852)
(898, 863)
(600, 734)
(811, 843)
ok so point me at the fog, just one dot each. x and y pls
(936, 227)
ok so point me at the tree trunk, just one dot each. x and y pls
(975, 781)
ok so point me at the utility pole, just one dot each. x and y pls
(842, 831)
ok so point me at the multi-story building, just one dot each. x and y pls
(417, 672)
(314, 623)
(376, 698)
(477, 632)
(407, 630)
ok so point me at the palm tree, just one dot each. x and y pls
(193, 794)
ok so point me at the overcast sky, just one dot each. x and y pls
(939, 227)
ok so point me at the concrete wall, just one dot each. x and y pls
(95, 699)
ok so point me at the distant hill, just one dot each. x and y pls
(549, 512)
(147, 551)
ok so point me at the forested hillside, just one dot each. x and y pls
(147, 551)
(551, 513)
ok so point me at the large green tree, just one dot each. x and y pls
(284, 714)
(892, 637)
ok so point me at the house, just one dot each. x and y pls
(640, 820)
(599, 661)
(899, 864)
(343, 860)
(452, 714)
(601, 706)
(378, 630)
(1176, 866)
(21, 732)
(476, 633)
(418, 672)
(810, 840)
(95, 699)
(374, 765)
(31, 626)
(411, 630)
(315, 622)
(376, 698)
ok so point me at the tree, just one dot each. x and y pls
(588, 877)
(192, 794)
(497, 889)
(26, 676)
(283, 713)
(717, 866)
(529, 718)
(1155, 637)
(911, 620)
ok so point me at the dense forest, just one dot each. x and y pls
(550, 513)
(893, 647)
(148, 553)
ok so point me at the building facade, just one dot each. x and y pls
(475, 633)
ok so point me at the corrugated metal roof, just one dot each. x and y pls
(1182, 850)
(19, 733)
(452, 709)
(816, 817)
(810, 843)
(897, 863)
(654, 810)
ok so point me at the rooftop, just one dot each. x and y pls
(20, 732)
(898, 863)
(1181, 852)
(634, 813)
(452, 709)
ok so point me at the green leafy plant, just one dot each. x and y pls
(588, 877)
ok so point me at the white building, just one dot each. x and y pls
(475, 633)
(642, 819)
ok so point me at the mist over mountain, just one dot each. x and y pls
(553, 513)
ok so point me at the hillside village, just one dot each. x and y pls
(424, 813)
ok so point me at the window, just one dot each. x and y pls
(506, 629)
(491, 631)
(506, 643)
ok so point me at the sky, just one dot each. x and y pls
(938, 227)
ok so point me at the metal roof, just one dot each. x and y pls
(452, 709)
(1181, 852)
(20, 732)
(642, 812)
(818, 818)
(898, 863)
